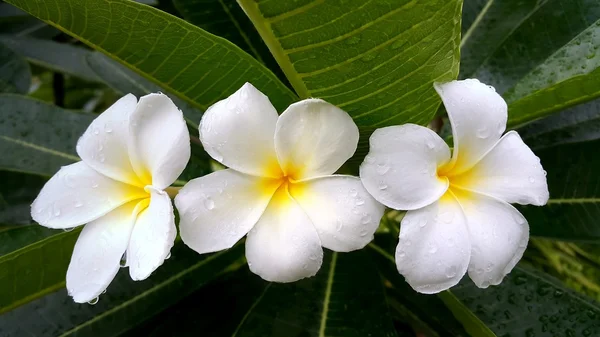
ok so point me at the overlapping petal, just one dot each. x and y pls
(103, 146)
(238, 132)
(314, 138)
(220, 208)
(284, 246)
(340, 208)
(97, 253)
(152, 237)
(77, 194)
(499, 236)
(434, 249)
(478, 116)
(400, 170)
(159, 142)
(510, 171)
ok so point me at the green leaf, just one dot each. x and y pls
(426, 313)
(375, 59)
(17, 192)
(471, 322)
(541, 55)
(529, 303)
(36, 137)
(174, 54)
(15, 75)
(226, 19)
(36, 264)
(126, 303)
(125, 81)
(345, 298)
(60, 57)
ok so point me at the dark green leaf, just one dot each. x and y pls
(190, 62)
(226, 19)
(375, 59)
(426, 313)
(528, 303)
(17, 192)
(125, 81)
(126, 303)
(544, 50)
(345, 298)
(15, 75)
(35, 265)
(37, 137)
(60, 57)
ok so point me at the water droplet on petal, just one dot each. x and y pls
(382, 186)
(451, 271)
(432, 249)
(168, 256)
(382, 168)
(483, 132)
(78, 204)
(68, 229)
(94, 301)
(353, 192)
(360, 201)
(123, 262)
(209, 204)
(366, 219)
(339, 225)
(531, 179)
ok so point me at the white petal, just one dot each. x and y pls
(98, 252)
(159, 143)
(499, 235)
(103, 146)
(284, 245)
(238, 132)
(314, 138)
(478, 117)
(342, 211)
(434, 248)
(218, 209)
(400, 170)
(77, 194)
(152, 237)
(509, 172)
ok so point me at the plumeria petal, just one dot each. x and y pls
(342, 211)
(98, 252)
(499, 235)
(314, 138)
(400, 169)
(77, 194)
(103, 146)
(159, 143)
(509, 172)
(284, 246)
(478, 116)
(152, 237)
(434, 248)
(220, 208)
(238, 132)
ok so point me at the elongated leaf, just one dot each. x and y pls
(192, 63)
(345, 298)
(426, 313)
(60, 57)
(226, 19)
(33, 268)
(37, 137)
(125, 81)
(529, 303)
(15, 75)
(17, 192)
(540, 54)
(375, 59)
(573, 209)
(126, 302)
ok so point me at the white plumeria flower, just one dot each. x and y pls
(459, 217)
(130, 154)
(279, 188)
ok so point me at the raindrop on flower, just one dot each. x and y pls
(209, 204)
(94, 301)
(168, 256)
(68, 229)
(353, 192)
(78, 204)
(382, 168)
(451, 271)
(531, 179)
(483, 132)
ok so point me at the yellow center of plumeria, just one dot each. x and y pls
(458, 181)
(283, 184)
